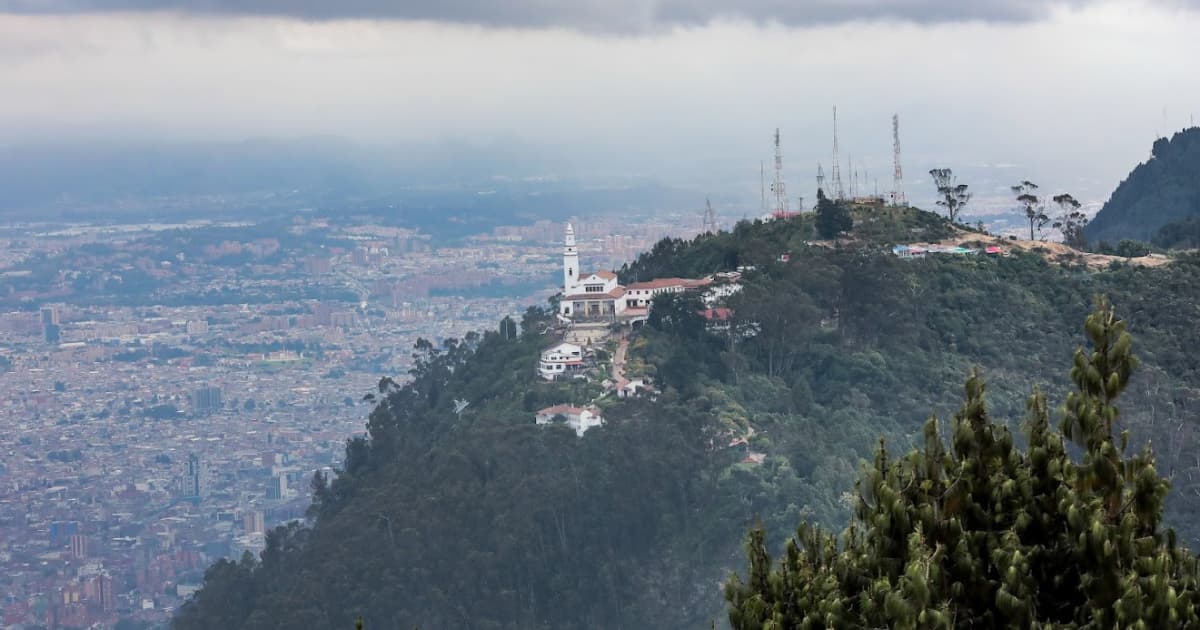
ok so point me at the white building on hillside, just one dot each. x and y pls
(593, 295)
(561, 361)
(578, 418)
(640, 294)
(724, 286)
(597, 295)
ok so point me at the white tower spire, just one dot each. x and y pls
(570, 262)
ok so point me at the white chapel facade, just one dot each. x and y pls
(598, 295)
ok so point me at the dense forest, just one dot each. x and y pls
(1160, 191)
(486, 520)
(972, 531)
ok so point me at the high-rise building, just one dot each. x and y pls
(79, 546)
(254, 521)
(107, 594)
(51, 333)
(206, 400)
(50, 316)
(277, 487)
(61, 532)
(195, 477)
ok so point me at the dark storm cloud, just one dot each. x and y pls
(590, 15)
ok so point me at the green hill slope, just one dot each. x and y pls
(1162, 190)
(488, 521)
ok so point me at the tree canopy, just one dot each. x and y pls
(832, 218)
(971, 531)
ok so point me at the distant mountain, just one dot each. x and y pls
(1162, 190)
(485, 520)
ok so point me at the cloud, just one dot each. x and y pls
(612, 16)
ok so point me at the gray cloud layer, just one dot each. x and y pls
(590, 15)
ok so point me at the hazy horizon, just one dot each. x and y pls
(1071, 95)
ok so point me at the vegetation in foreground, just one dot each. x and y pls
(978, 533)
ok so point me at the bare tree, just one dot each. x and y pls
(1034, 206)
(1071, 221)
(954, 195)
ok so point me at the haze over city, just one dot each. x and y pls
(596, 314)
(685, 93)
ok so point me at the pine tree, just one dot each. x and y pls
(832, 217)
(977, 533)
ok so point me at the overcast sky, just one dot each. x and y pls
(1072, 92)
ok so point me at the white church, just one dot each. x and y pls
(598, 296)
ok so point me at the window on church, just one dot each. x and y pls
(594, 288)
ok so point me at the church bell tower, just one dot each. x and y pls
(570, 262)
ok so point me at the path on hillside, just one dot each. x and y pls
(618, 366)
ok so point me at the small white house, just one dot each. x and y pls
(724, 286)
(578, 418)
(560, 361)
(632, 388)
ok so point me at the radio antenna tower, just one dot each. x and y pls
(852, 175)
(762, 183)
(778, 187)
(710, 219)
(898, 175)
(820, 177)
(836, 174)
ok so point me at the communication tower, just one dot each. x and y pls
(778, 187)
(710, 219)
(762, 182)
(836, 174)
(897, 175)
(820, 177)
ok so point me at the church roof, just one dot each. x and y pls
(662, 283)
(611, 295)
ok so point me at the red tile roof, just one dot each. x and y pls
(566, 410)
(720, 314)
(662, 283)
(614, 294)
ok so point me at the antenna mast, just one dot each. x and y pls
(778, 187)
(852, 175)
(820, 177)
(836, 173)
(762, 183)
(710, 218)
(897, 175)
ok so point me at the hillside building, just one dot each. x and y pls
(580, 419)
(561, 361)
(598, 296)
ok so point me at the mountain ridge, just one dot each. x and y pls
(489, 521)
(1162, 190)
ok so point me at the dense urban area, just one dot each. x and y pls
(169, 389)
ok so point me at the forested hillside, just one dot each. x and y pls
(973, 531)
(1160, 191)
(488, 521)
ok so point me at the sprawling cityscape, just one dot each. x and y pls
(169, 389)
